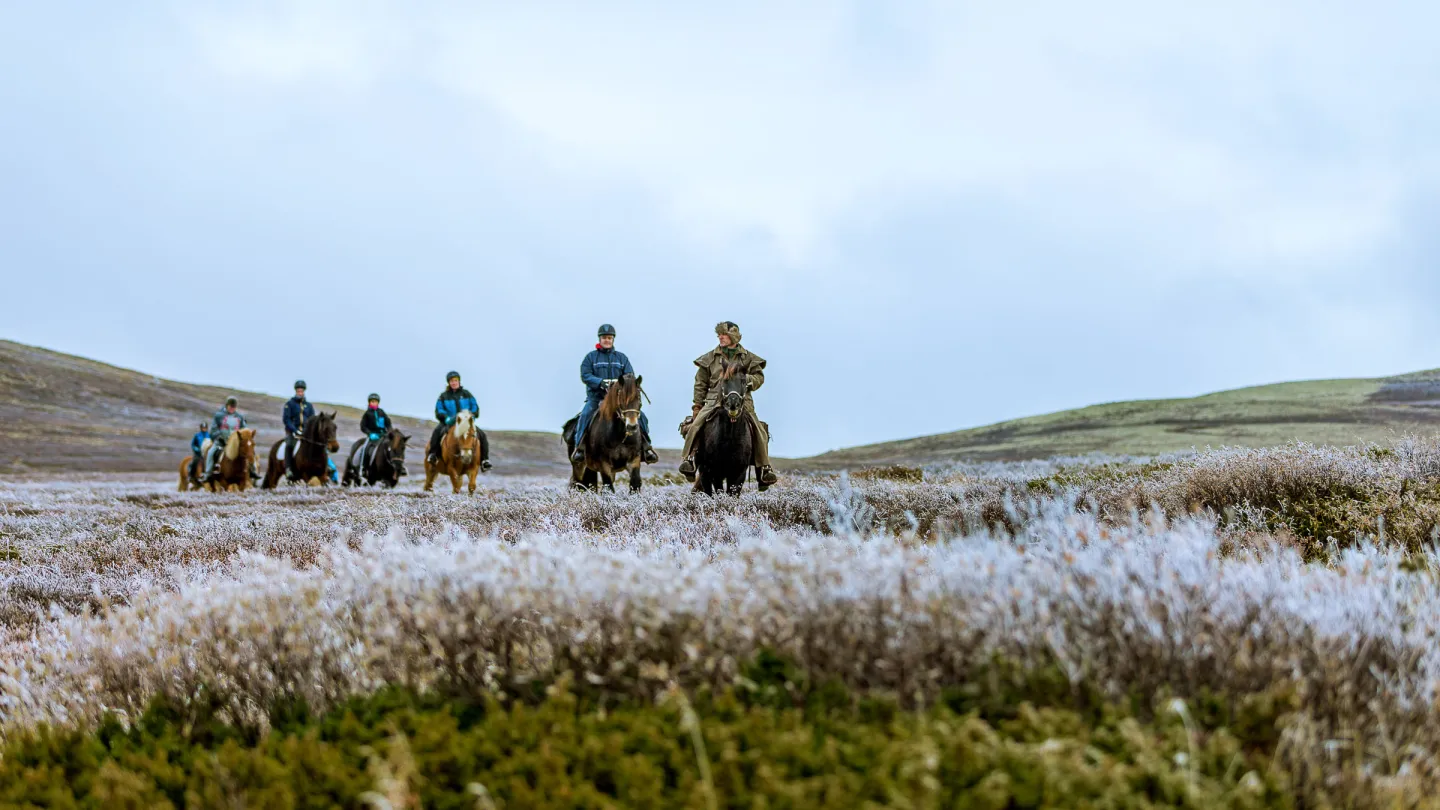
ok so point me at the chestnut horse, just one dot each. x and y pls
(313, 447)
(232, 470)
(613, 441)
(459, 454)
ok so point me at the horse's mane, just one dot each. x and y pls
(731, 369)
(232, 446)
(623, 393)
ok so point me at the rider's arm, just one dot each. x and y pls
(285, 417)
(702, 384)
(440, 413)
(628, 369)
(588, 376)
(755, 375)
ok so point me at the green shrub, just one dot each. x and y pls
(778, 740)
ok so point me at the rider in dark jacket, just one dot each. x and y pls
(605, 363)
(297, 411)
(454, 399)
(375, 423)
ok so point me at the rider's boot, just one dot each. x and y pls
(485, 465)
(766, 475)
(578, 457)
(649, 456)
(687, 468)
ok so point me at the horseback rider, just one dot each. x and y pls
(707, 399)
(374, 424)
(454, 399)
(226, 420)
(598, 370)
(197, 444)
(297, 410)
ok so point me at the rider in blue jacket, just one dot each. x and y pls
(602, 364)
(454, 399)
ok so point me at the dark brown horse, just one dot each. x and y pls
(725, 449)
(385, 465)
(232, 469)
(310, 464)
(613, 441)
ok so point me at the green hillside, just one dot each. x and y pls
(1321, 412)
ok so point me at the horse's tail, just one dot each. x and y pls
(273, 468)
(185, 475)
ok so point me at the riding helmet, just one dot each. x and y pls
(300, 384)
(454, 375)
(606, 329)
(232, 401)
(373, 398)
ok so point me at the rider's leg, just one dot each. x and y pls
(484, 450)
(763, 472)
(648, 451)
(687, 466)
(582, 423)
(432, 451)
(211, 453)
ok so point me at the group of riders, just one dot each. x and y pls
(601, 368)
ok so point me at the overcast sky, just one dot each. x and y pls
(926, 216)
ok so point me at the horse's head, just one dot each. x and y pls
(246, 438)
(734, 383)
(464, 424)
(394, 445)
(623, 400)
(325, 431)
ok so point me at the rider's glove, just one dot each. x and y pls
(374, 437)
(449, 420)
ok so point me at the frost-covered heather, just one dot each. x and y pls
(114, 593)
(1143, 608)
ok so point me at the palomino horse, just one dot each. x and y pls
(312, 454)
(459, 454)
(385, 465)
(232, 470)
(724, 452)
(613, 441)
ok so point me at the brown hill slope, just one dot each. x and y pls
(64, 413)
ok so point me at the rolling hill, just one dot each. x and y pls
(1321, 412)
(61, 413)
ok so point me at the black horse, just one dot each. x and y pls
(725, 448)
(613, 441)
(385, 465)
(310, 461)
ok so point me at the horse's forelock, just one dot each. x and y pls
(622, 394)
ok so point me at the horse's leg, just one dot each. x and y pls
(455, 480)
(474, 471)
(430, 473)
(635, 479)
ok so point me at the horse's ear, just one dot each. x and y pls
(333, 414)
(639, 379)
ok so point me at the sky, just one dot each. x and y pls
(925, 216)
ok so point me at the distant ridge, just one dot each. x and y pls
(1335, 412)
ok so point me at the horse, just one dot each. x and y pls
(459, 454)
(384, 466)
(311, 457)
(613, 441)
(725, 449)
(232, 469)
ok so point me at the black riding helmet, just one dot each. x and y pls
(606, 329)
(375, 397)
(454, 375)
(232, 401)
(300, 384)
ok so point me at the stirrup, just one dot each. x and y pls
(766, 475)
